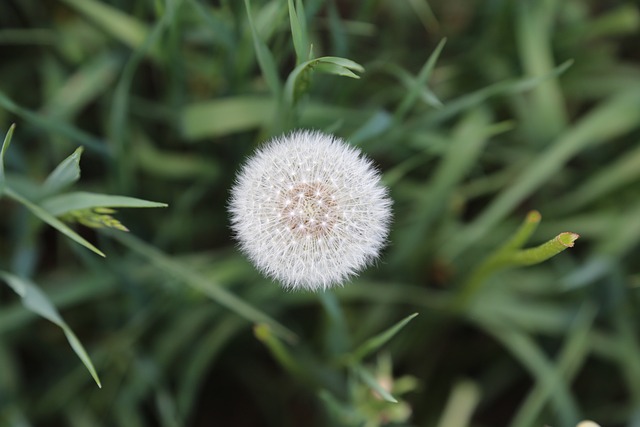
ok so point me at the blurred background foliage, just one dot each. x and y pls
(528, 105)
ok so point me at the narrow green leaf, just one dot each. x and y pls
(227, 115)
(338, 409)
(541, 369)
(370, 380)
(279, 351)
(203, 284)
(197, 362)
(379, 122)
(116, 23)
(426, 71)
(15, 283)
(119, 115)
(298, 33)
(52, 221)
(85, 85)
(615, 117)
(604, 181)
(338, 70)
(343, 62)
(547, 115)
(410, 84)
(302, 20)
(473, 99)
(265, 57)
(572, 356)
(375, 342)
(65, 174)
(299, 79)
(469, 137)
(38, 302)
(63, 203)
(5, 146)
(462, 401)
(54, 125)
(337, 332)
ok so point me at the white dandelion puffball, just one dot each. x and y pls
(309, 210)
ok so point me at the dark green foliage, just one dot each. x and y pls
(477, 113)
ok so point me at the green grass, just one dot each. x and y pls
(477, 113)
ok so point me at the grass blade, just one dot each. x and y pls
(65, 174)
(265, 57)
(37, 302)
(225, 116)
(370, 380)
(54, 125)
(52, 221)
(411, 96)
(5, 146)
(619, 115)
(375, 342)
(203, 284)
(119, 25)
(59, 205)
(298, 33)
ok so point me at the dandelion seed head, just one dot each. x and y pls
(309, 210)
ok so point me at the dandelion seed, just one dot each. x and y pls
(286, 186)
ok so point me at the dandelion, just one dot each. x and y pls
(309, 210)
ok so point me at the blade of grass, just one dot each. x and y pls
(545, 116)
(59, 205)
(412, 94)
(625, 325)
(374, 343)
(462, 401)
(65, 174)
(617, 116)
(299, 79)
(55, 126)
(120, 107)
(75, 291)
(52, 221)
(623, 234)
(469, 137)
(37, 301)
(116, 23)
(202, 284)
(611, 177)
(265, 57)
(375, 386)
(84, 86)
(571, 357)
(3, 150)
(299, 32)
(523, 348)
(473, 99)
(337, 335)
(200, 360)
(410, 84)
(225, 116)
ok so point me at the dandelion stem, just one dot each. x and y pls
(511, 255)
